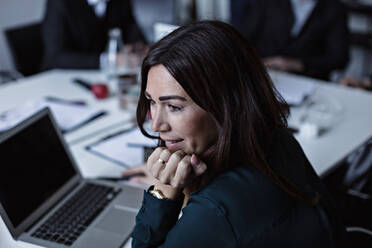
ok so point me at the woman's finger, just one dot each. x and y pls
(154, 157)
(147, 180)
(157, 167)
(183, 173)
(138, 169)
(198, 166)
(164, 156)
(169, 171)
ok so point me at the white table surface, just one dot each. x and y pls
(59, 83)
(352, 129)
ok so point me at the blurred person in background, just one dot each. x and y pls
(238, 9)
(365, 83)
(75, 32)
(308, 37)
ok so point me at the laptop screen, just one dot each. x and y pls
(34, 165)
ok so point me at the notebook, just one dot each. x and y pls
(44, 199)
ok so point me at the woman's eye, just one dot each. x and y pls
(174, 108)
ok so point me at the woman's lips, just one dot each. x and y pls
(173, 144)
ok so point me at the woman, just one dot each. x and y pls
(225, 153)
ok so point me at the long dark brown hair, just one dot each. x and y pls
(222, 74)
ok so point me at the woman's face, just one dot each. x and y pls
(181, 123)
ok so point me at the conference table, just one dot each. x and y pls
(350, 127)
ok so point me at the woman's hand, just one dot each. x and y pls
(349, 81)
(284, 64)
(174, 171)
(139, 174)
(365, 84)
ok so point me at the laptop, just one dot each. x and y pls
(44, 199)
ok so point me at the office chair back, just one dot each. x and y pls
(351, 187)
(148, 12)
(26, 46)
(359, 237)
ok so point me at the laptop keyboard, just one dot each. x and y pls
(68, 222)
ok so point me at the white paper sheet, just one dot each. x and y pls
(68, 116)
(125, 148)
(293, 92)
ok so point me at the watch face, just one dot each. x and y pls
(157, 193)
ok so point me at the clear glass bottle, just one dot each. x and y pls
(113, 59)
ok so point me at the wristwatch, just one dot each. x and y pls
(157, 193)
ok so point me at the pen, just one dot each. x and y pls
(100, 91)
(112, 135)
(83, 83)
(123, 178)
(115, 134)
(59, 100)
(140, 145)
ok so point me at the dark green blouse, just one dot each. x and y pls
(243, 208)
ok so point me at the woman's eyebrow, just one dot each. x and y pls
(164, 98)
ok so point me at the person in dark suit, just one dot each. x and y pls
(225, 155)
(308, 37)
(238, 10)
(75, 32)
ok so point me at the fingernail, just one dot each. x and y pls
(195, 160)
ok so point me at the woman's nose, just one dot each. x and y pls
(159, 123)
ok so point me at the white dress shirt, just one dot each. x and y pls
(301, 10)
(99, 7)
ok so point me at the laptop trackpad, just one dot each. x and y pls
(118, 221)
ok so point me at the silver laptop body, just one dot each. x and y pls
(38, 175)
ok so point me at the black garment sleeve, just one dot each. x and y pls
(203, 224)
(130, 28)
(155, 218)
(336, 47)
(55, 35)
(322, 45)
(252, 21)
(61, 39)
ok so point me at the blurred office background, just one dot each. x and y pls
(16, 13)
(20, 13)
